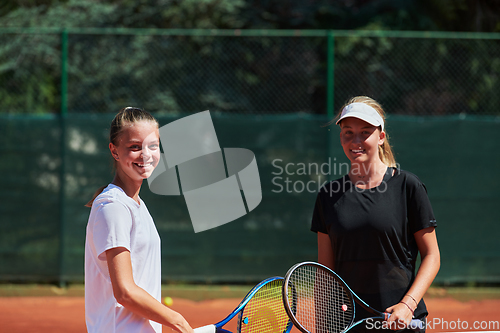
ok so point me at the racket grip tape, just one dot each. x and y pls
(415, 324)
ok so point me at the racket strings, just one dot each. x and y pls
(265, 313)
(323, 305)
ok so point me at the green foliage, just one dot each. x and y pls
(205, 14)
(454, 15)
(29, 70)
(171, 74)
(463, 15)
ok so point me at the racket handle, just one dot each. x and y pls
(205, 329)
(415, 324)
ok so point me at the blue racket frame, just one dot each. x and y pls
(244, 302)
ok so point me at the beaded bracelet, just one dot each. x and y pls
(412, 311)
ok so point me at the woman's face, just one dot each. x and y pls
(360, 140)
(138, 150)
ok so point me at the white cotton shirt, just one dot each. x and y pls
(116, 220)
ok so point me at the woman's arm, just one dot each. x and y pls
(325, 252)
(136, 299)
(429, 267)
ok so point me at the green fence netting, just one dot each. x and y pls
(47, 181)
(246, 72)
(268, 91)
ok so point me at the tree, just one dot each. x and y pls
(237, 74)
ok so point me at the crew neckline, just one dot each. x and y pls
(139, 204)
(387, 177)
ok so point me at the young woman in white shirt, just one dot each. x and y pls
(122, 248)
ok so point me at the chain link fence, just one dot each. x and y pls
(421, 76)
(266, 93)
(172, 74)
(252, 72)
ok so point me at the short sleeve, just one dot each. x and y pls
(327, 197)
(112, 228)
(318, 223)
(420, 212)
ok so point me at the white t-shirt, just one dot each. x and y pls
(116, 220)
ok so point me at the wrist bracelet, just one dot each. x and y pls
(412, 298)
(412, 311)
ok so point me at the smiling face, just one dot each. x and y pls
(137, 151)
(360, 140)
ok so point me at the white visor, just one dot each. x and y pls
(364, 112)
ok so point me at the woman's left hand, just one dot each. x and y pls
(400, 318)
(402, 313)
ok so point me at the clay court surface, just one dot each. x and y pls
(58, 314)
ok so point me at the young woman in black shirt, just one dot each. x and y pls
(373, 222)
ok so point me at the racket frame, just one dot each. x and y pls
(415, 324)
(243, 303)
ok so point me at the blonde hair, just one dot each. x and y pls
(384, 151)
(124, 118)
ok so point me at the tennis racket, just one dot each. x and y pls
(324, 302)
(261, 311)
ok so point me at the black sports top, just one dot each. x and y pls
(371, 232)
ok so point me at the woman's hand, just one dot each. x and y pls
(179, 324)
(401, 316)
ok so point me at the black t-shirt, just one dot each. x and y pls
(371, 232)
